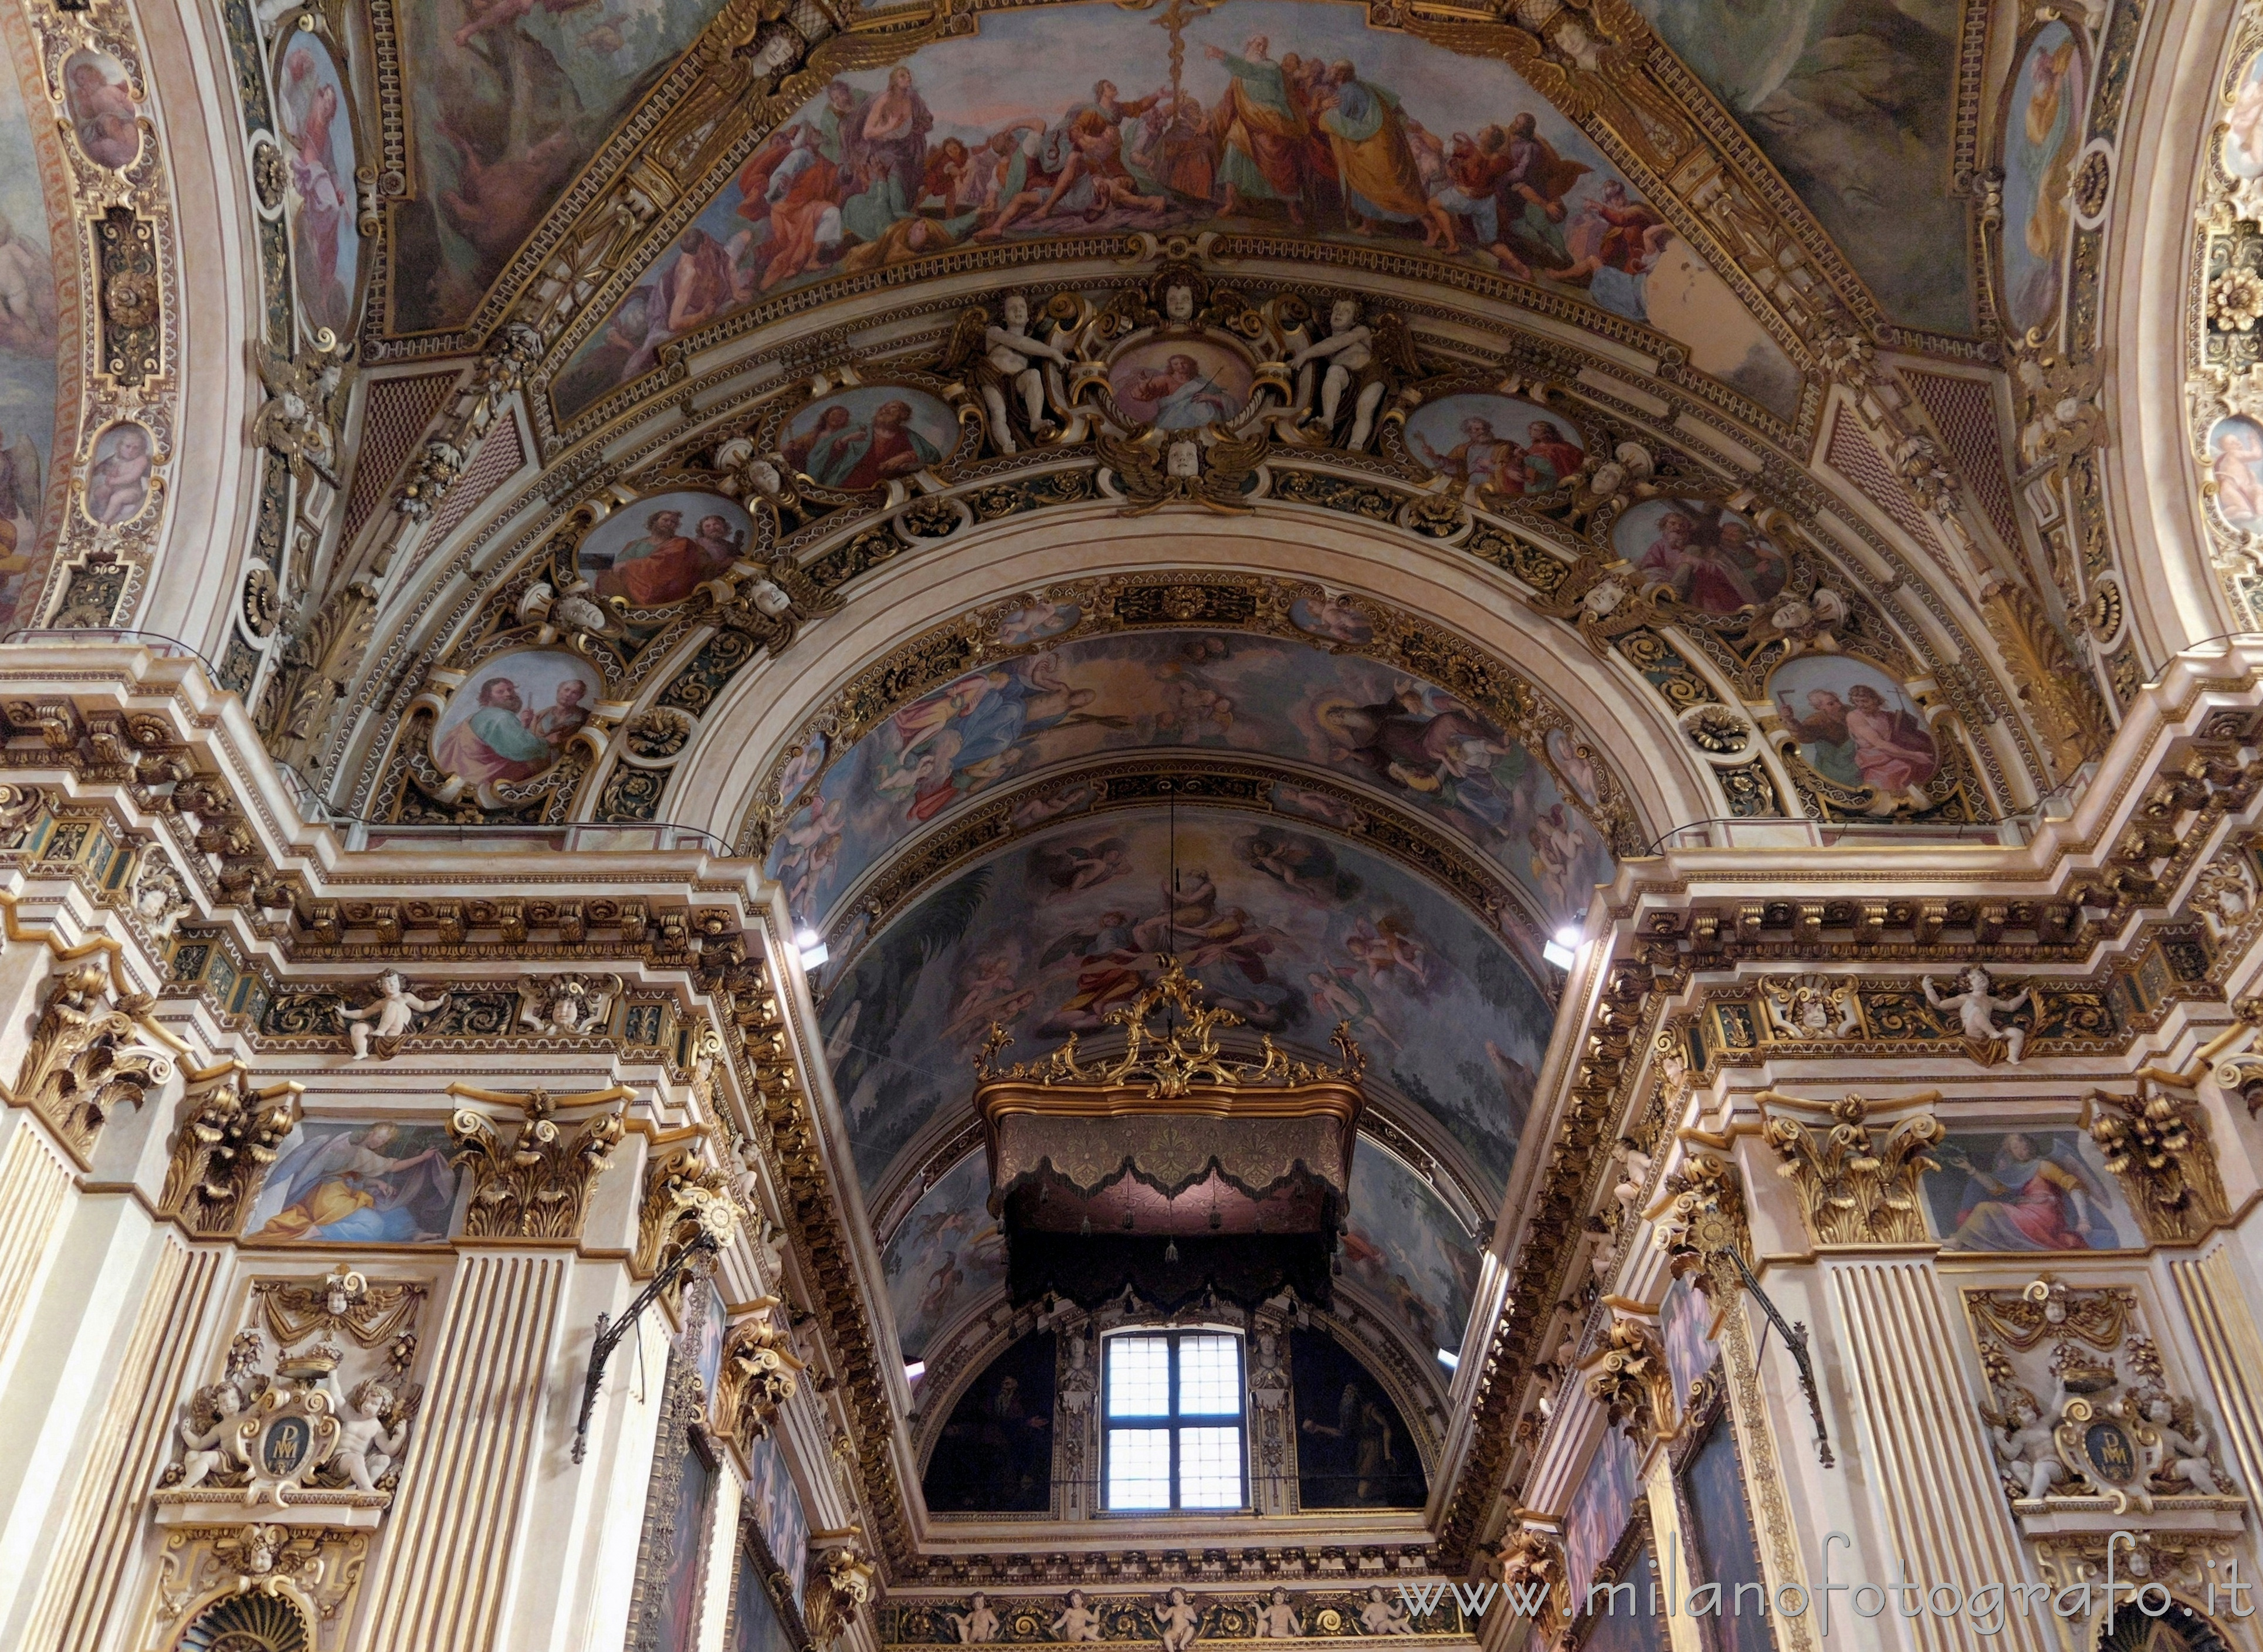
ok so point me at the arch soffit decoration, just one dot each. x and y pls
(1918, 636)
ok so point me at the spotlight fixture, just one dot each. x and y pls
(1563, 947)
(1449, 1359)
(811, 946)
(914, 1370)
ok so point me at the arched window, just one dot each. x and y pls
(1176, 1416)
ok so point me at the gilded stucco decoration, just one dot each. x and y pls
(2225, 395)
(227, 1141)
(2084, 1418)
(86, 1059)
(2156, 1146)
(1856, 1184)
(537, 1185)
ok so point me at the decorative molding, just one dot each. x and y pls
(2156, 1146)
(84, 1062)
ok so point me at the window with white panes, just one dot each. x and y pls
(1176, 1418)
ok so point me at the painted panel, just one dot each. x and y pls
(1600, 1510)
(777, 1512)
(1209, 690)
(1851, 99)
(2028, 1190)
(357, 1181)
(27, 355)
(1403, 1245)
(507, 99)
(995, 1454)
(1289, 116)
(944, 1258)
(311, 103)
(1683, 1316)
(2042, 134)
(1721, 1544)
(1353, 1447)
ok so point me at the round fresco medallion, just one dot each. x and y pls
(659, 550)
(2243, 135)
(1714, 558)
(118, 477)
(1500, 443)
(1036, 621)
(2235, 464)
(1181, 384)
(1332, 617)
(103, 113)
(869, 434)
(1855, 724)
(2041, 139)
(511, 719)
(310, 109)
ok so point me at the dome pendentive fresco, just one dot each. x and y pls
(842, 827)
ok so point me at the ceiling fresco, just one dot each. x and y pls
(1286, 117)
(28, 355)
(1854, 102)
(507, 99)
(1357, 718)
(1295, 930)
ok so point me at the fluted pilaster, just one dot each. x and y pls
(453, 1532)
(34, 1181)
(2224, 1327)
(1945, 1513)
(83, 1600)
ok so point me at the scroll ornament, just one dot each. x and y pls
(1629, 1379)
(684, 1196)
(229, 1137)
(759, 1374)
(2157, 1147)
(537, 1186)
(839, 1591)
(84, 1063)
(1855, 1188)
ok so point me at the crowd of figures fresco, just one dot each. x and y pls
(28, 355)
(1288, 115)
(944, 1256)
(1218, 691)
(509, 99)
(2032, 1190)
(1852, 100)
(1293, 931)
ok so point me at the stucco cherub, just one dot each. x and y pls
(1177, 1623)
(367, 1446)
(213, 1412)
(392, 1014)
(1977, 1009)
(1383, 1616)
(1077, 1620)
(1277, 1619)
(2025, 1450)
(978, 1624)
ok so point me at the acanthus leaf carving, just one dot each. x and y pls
(229, 1137)
(2156, 1146)
(537, 1186)
(1853, 1187)
(83, 1062)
